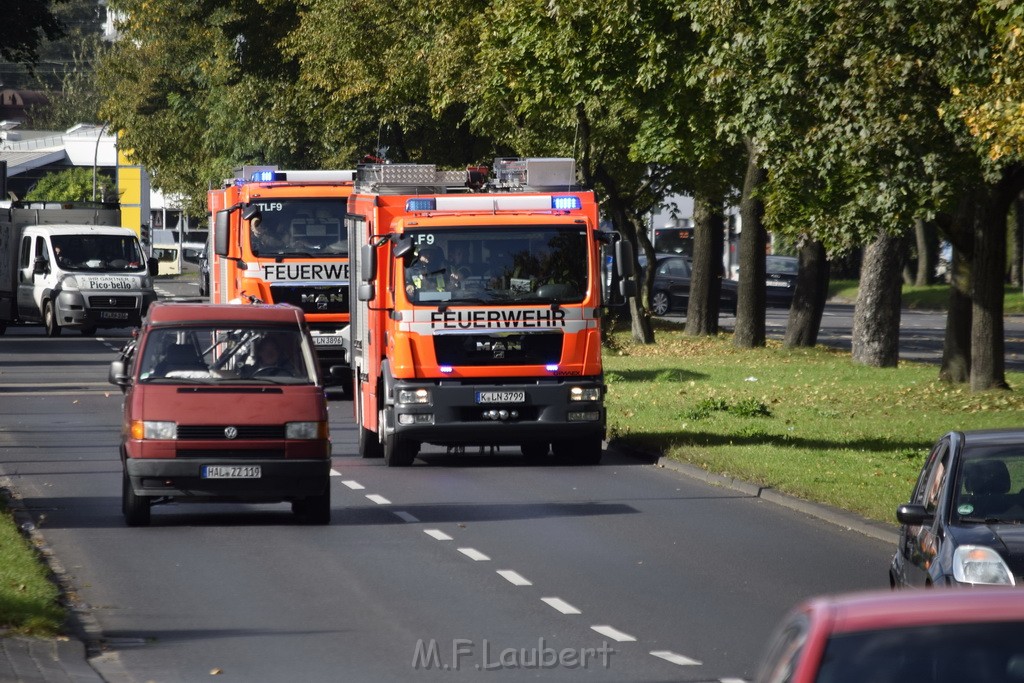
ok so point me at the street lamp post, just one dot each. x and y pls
(95, 159)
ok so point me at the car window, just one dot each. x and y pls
(990, 485)
(932, 491)
(931, 463)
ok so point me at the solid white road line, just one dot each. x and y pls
(474, 554)
(354, 485)
(405, 516)
(437, 534)
(561, 605)
(513, 577)
(614, 634)
(670, 656)
(378, 499)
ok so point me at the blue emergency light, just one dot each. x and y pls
(566, 202)
(421, 204)
(266, 176)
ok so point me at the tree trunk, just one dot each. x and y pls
(634, 231)
(876, 318)
(987, 278)
(1018, 242)
(956, 348)
(750, 305)
(706, 270)
(927, 252)
(809, 297)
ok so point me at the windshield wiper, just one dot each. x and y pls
(989, 520)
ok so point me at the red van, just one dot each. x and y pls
(223, 403)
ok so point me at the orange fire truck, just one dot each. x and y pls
(477, 315)
(279, 237)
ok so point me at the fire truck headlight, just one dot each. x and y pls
(416, 419)
(413, 396)
(585, 394)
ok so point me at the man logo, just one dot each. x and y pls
(231, 432)
(322, 301)
(498, 348)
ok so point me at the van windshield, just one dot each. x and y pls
(224, 355)
(99, 253)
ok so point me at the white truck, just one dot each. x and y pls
(71, 265)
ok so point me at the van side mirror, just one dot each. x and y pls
(118, 375)
(40, 266)
(153, 265)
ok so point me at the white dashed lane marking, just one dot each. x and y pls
(354, 485)
(378, 499)
(513, 577)
(670, 656)
(437, 534)
(405, 516)
(474, 554)
(561, 605)
(614, 634)
(335, 473)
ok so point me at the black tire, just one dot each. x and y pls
(315, 509)
(135, 508)
(660, 303)
(369, 444)
(399, 452)
(582, 451)
(50, 320)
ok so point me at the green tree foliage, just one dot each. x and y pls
(71, 185)
(27, 24)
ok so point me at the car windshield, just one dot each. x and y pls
(528, 264)
(947, 653)
(990, 484)
(98, 253)
(226, 355)
(784, 265)
(298, 227)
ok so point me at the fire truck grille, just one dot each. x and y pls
(214, 432)
(541, 348)
(107, 301)
(313, 299)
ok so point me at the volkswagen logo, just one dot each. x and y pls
(231, 432)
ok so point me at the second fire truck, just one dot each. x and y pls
(279, 236)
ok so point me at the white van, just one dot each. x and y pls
(77, 276)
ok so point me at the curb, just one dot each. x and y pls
(842, 518)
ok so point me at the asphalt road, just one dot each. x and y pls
(468, 566)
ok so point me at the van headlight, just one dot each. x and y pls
(150, 429)
(69, 283)
(978, 564)
(305, 430)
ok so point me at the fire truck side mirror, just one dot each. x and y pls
(250, 212)
(624, 258)
(367, 263)
(220, 232)
(366, 291)
(403, 246)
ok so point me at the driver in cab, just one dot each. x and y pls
(428, 273)
(271, 359)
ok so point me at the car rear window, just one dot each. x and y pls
(947, 653)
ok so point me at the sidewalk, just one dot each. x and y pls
(35, 660)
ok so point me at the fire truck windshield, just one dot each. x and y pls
(529, 264)
(299, 227)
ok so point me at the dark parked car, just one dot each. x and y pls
(964, 524)
(780, 279)
(671, 290)
(204, 274)
(940, 636)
